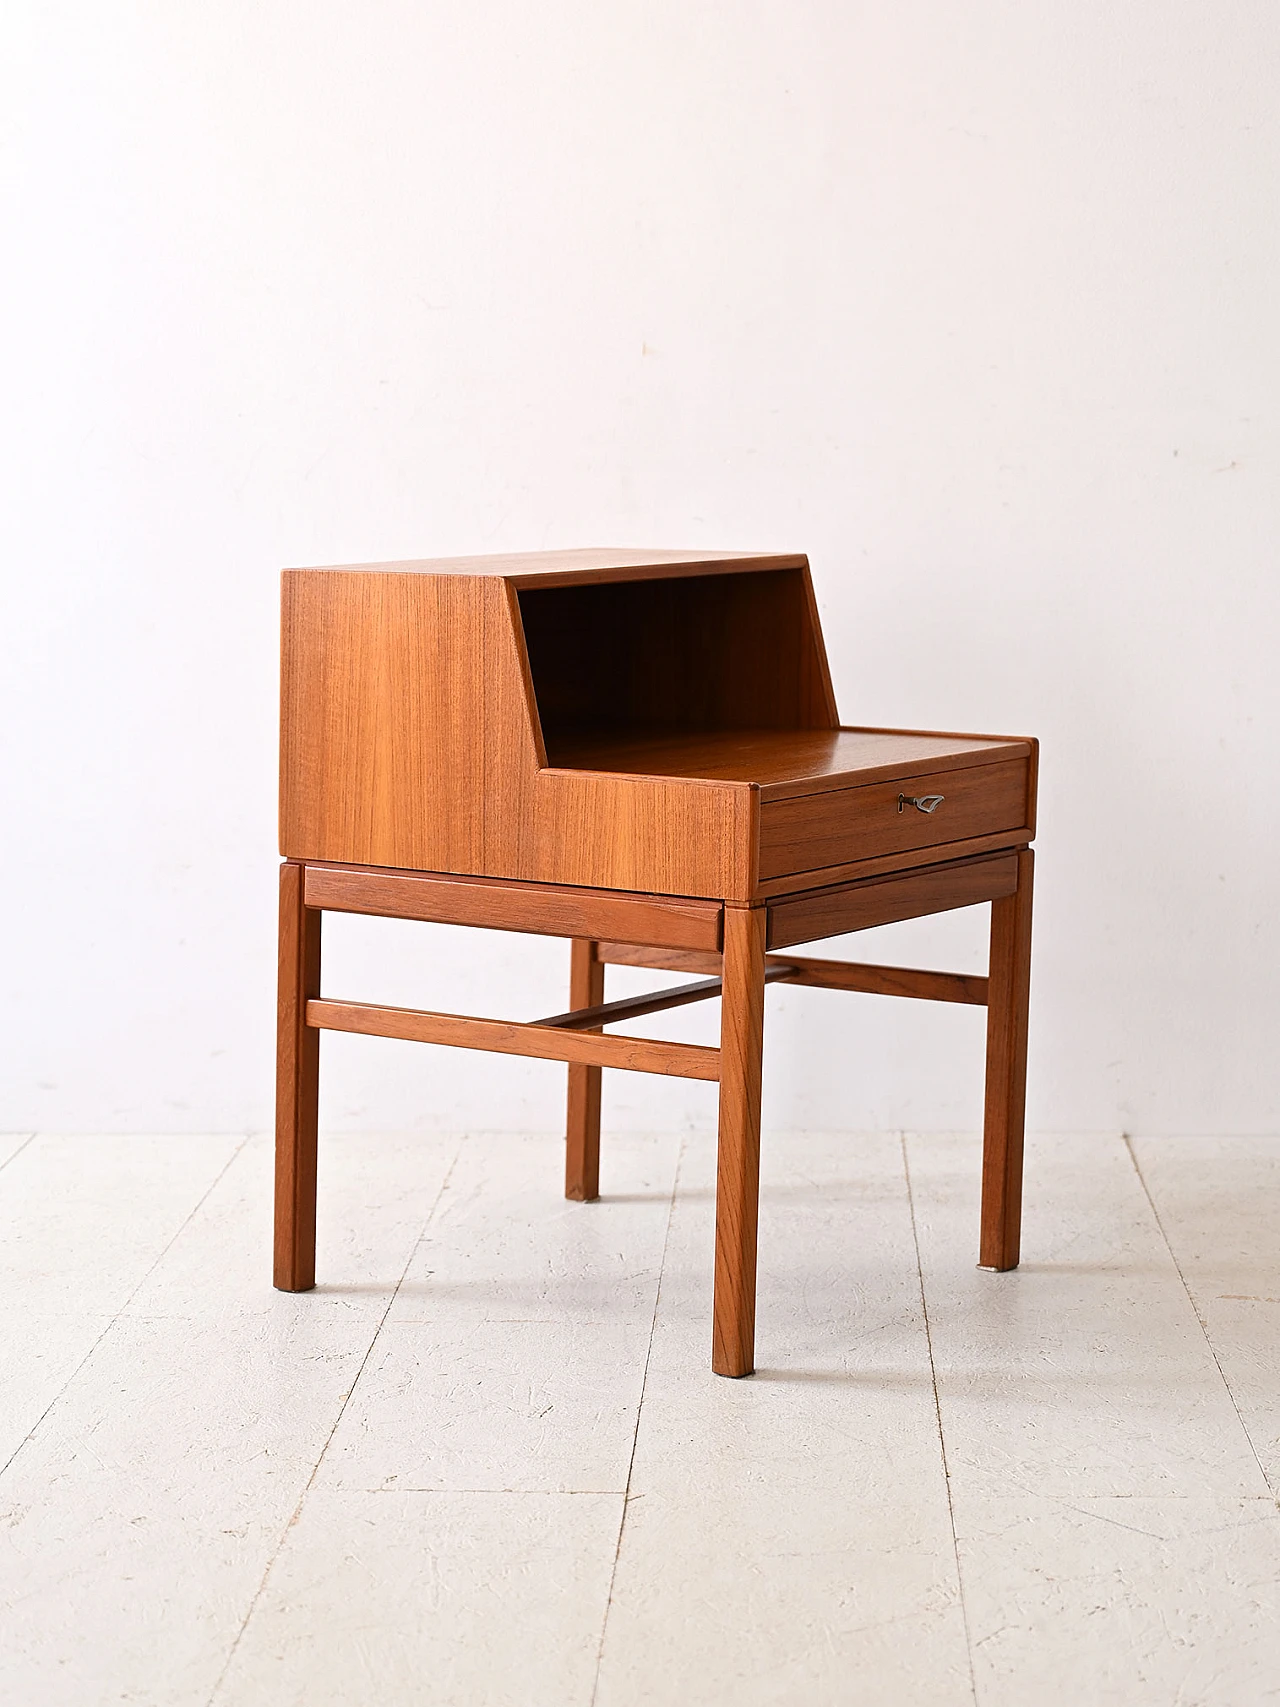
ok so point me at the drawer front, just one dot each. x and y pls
(816, 830)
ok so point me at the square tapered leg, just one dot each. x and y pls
(1008, 999)
(582, 1127)
(297, 1087)
(738, 1164)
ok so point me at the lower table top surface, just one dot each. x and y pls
(782, 761)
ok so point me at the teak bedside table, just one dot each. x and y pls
(638, 750)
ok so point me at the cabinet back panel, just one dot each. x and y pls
(691, 653)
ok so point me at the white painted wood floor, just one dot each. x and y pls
(486, 1461)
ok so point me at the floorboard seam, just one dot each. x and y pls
(937, 1408)
(328, 1441)
(635, 1433)
(16, 1153)
(142, 1281)
(1127, 1140)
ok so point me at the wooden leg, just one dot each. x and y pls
(297, 1087)
(1008, 997)
(582, 1149)
(738, 1170)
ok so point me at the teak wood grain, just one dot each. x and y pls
(814, 830)
(582, 1115)
(1008, 1006)
(297, 1088)
(510, 1037)
(856, 976)
(603, 720)
(680, 836)
(540, 909)
(908, 981)
(578, 566)
(677, 996)
(406, 733)
(639, 751)
(919, 859)
(738, 1145)
(661, 959)
(782, 762)
(412, 717)
(890, 899)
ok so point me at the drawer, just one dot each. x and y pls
(815, 830)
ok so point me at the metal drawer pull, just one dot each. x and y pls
(922, 802)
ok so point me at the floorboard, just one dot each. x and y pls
(485, 1461)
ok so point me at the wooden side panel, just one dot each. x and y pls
(823, 694)
(669, 835)
(1033, 788)
(406, 733)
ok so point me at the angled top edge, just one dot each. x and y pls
(582, 564)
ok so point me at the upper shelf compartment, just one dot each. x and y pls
(679, 654)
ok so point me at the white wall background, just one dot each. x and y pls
(978, 304)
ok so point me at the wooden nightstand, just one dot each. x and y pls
(638, 750)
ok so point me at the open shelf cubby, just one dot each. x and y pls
(616, 661)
